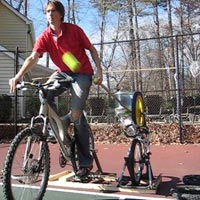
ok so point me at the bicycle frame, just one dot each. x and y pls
(136, 129)
(67, 143)
(59, 126)
(28, 159)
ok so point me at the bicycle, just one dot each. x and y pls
(131, 114)
(27, 165)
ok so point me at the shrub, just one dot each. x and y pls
(96, 106)
(5, 107)
(33, 105)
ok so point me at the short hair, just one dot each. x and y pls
(59, 7)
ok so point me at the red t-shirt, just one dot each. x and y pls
(72, 39)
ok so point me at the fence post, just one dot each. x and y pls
(178, 82)
(16, 93)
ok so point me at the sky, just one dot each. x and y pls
(85, 19)
(88, 19)
(85, 15)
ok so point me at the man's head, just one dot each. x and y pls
(58, 7)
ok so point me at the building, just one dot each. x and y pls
(16, 32)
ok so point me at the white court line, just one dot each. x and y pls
(120, 197)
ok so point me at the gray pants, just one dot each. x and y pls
(79, 94)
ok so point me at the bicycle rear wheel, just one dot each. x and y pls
(135, 164)
(74, 154)
(138, 109)
(27, 167)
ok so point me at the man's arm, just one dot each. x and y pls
(28, 64)
(96, 60)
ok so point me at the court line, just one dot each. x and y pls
(120, 196)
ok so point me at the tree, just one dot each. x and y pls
(71, 11)
(135, 35)
(137, 38)
(188, 14)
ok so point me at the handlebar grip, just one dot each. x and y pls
(20, 85)
(23, 84)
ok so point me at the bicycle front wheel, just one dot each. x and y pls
(138, 109)
(27, 167)
(135, 164)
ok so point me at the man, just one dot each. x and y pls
(58, 39)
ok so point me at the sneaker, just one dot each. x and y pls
(83, 172)
(51, 139)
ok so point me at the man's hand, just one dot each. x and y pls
(12, 83)
(97, 80)
(98, 77)
(28, 63)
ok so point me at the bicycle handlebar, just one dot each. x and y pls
(39, 85)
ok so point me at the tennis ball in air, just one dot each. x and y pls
(95, 80)
(70, 60)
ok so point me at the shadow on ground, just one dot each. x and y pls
(168, 182)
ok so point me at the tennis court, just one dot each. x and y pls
(55, 193)
(172, 161)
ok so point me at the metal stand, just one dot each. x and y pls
(147, 178)
(107, 182)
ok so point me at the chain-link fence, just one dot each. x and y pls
(100, 109)
(158, 67)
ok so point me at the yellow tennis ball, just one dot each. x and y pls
(95, 80)
(70, 60)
